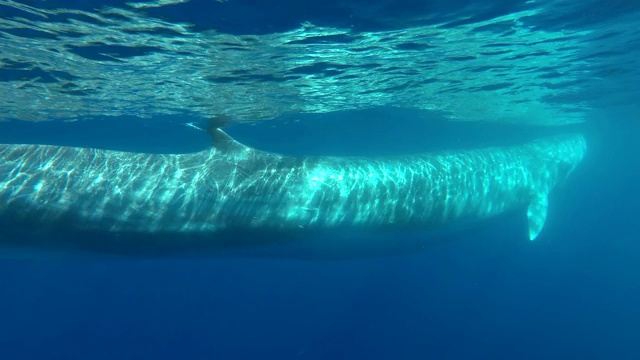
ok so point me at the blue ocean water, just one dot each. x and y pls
(102, 73)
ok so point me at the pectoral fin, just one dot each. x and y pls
(537, 214)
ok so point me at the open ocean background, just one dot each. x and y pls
(338, 77)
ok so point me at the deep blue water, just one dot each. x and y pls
(488, 293)
(485, 293)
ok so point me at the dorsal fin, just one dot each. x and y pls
(221, 140)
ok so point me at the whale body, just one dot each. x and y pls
(232, 196)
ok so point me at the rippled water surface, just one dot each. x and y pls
(541, 62)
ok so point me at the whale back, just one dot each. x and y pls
(236, 196)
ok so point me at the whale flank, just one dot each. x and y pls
(211, 201)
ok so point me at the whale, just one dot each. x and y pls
(233, 199)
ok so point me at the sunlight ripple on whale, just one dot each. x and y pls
(162, 202)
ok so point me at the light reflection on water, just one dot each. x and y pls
(113, 61)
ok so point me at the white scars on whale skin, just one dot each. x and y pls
(231, 195)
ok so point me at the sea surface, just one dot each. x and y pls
(337, 77)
